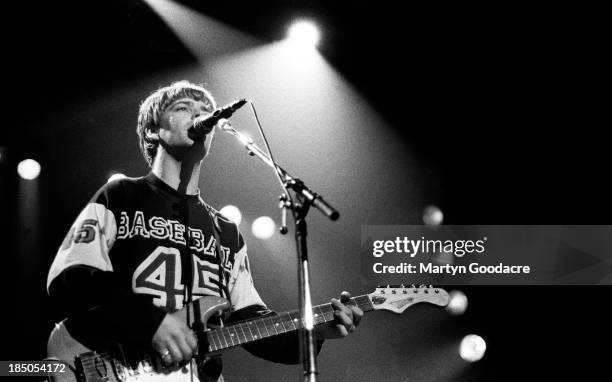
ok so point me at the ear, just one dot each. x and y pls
(152, 134)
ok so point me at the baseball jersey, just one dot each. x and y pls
(125, 262)
(136, 229)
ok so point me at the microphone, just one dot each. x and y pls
(203, 125)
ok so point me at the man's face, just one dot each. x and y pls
(175, 122)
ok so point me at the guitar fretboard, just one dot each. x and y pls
(248, 331)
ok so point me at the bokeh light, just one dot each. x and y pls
(28, 169)
(432, 216)
(472, 348)
(458, 303)
(232, 213)
(263, 227)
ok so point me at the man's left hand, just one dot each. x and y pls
(346, 318)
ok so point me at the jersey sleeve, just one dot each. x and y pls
(82, 281)
(89, 240)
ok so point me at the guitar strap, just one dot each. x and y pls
(209, 368)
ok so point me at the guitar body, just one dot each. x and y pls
(105, 362)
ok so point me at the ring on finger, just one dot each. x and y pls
(165, 355)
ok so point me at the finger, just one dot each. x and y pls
(342, 319)
(337, 305)
(357, 315)
(175, 353)
(343, 331)
(348, 323)
(192, 341)
(184, 348)
(165, 355)
(345, 297)
(159, 348)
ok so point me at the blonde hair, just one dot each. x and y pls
(152, 108)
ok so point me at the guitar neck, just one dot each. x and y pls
(252, 330)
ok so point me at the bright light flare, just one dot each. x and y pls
(458, 303)
(116, 176)
(28, 169)
(472, 348)
(304, 33)
(263, 227)
(232, 213)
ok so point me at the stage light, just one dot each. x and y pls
(432, 216)
(263, 227)
(116, 176)
(28, 169)
(472, 348)
(304, 33)
(458, 303)
(232, 213)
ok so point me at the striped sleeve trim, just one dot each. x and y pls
(88, 242)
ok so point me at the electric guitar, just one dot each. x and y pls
(108, 363)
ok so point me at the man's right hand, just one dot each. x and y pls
(173, 340)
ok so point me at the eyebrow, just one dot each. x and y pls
(191, 102)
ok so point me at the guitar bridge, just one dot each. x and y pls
(92, 367)
(102, 367)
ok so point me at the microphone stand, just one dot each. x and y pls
(305, 199)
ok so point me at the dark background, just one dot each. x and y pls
(503, 107)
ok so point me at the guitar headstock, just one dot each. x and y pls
(398, 299)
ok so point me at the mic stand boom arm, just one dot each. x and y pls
(294, 183)
(306, 198)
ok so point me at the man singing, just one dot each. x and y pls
(144, 247)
